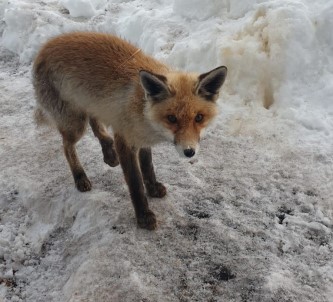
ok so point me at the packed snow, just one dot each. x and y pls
(249, 219)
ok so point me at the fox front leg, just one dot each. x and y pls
(128, 158)
(153, 187)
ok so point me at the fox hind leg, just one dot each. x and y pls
(153, 187)
(71, 134)
(107, 144)
(70, 122)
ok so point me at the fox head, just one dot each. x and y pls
(181, 105)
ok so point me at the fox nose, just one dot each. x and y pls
(189, 152)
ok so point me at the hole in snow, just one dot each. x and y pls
(8, 282)
(223, 273)
(199, 214)
(268, 94)
(191, 230)
(282, 212)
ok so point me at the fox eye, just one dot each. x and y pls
(199, 118)
(172, 119)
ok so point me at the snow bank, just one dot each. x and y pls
(84, 8)
(19, 20)
(271, 48)
(197, 9)
(26, 28)
(238, 9)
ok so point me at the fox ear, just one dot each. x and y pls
(210, 83)
(154, 85)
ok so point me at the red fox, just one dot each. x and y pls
(106, 81)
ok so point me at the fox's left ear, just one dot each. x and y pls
(210, 83)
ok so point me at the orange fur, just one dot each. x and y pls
(185, 105)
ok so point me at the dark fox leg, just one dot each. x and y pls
(153, 187)
(109, 153)
(128, 158)
(70, 122)
(82, 182)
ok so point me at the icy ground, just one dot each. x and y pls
(250, 219)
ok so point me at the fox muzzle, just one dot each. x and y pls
(188, 150)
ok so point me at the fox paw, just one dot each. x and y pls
(109, 153)
(83, 184)
(110, 157)
(157, 190)
(147, 221)
(111, 160)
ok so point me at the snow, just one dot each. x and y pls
(83, 8)
(250, 219)
(197, 9)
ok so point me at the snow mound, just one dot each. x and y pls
(20, 23)
(197, 9)
(83, 8)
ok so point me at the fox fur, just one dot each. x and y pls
(100, 79)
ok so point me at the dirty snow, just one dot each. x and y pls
(250, 219)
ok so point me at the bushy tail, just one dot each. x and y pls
(40, 117)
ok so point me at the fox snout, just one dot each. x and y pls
(190, 152)
(187, 150)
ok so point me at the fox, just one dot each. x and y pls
(103, 80)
